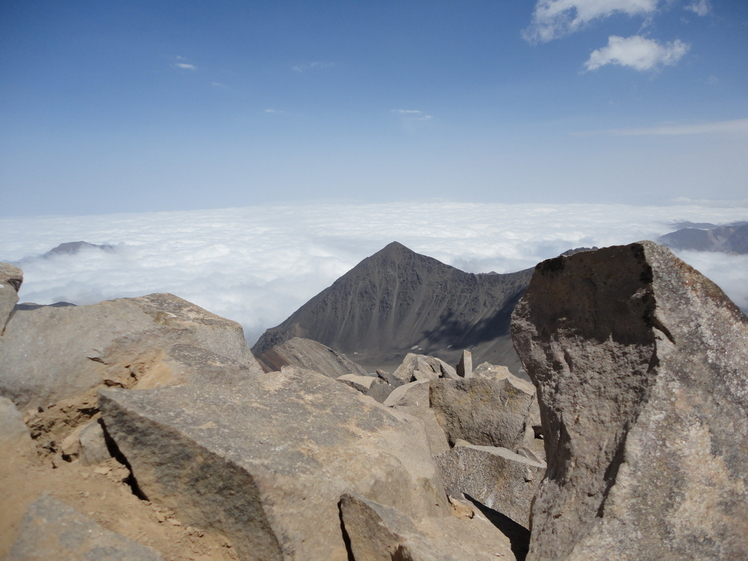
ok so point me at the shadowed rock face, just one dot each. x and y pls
(640, 366)
(397, 300)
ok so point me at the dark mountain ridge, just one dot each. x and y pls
(398, 301)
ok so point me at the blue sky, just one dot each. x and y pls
(137, 106)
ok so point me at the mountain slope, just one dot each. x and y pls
(397, 301)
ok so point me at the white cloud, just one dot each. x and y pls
(739, 126)
(700, 7)
(637, 52)
(312, 66)
(257, 265)
(556, 18)
(412, 114)
(273, 111)
(185, 66)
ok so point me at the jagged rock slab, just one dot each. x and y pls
(640, 363)
(397, 301)
(497, 477)
(309, 354)
(11, 278)
(53, 531)
(484, 412)
(51, 353)
(380, 533)
(266, 461)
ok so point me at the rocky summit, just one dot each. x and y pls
(144, 428)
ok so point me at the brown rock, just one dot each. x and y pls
(640, 364)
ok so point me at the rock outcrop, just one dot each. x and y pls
(640, 364)
(398, 301)
(49, 354)
(309, 354)
(266, 461)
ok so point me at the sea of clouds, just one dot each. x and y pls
(257, 265)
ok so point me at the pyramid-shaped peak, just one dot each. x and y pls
(394, 248)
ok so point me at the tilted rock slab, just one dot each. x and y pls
(381, 533)
(497, 477)
(266, 461)
(641, 366)
(484, 412)
(50, 353)
(312, 355)
(54, 531)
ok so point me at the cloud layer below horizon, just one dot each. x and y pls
(257, 265)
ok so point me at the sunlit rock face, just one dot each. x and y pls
(640, 365)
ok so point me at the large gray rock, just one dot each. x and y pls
(484, 412)
(312, 355)
(640, 364)
(497, 477)
(51, 353)
(381, 533)
(11, 278)
(266, 461)
(53, 531)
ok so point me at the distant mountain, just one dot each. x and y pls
(75, 247)
(732, 238)
(398, 301)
